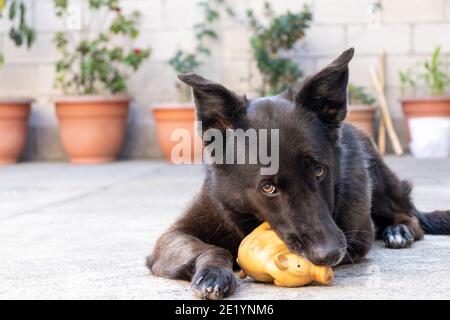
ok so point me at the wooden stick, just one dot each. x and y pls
(382, 137)
(385, 113)
(382, 127)
(382, 69)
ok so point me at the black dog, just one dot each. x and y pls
(331, 196)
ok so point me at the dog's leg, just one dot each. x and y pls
(355, 221)
(392, 208)
(178, 255)
(359, 241)
(200, 247)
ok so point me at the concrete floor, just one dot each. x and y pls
(80, 232)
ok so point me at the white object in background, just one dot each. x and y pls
(430, 137)
(73, 21)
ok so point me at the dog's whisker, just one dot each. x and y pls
(350, 231)
(359, 242)
(350, 258)
(246, 220)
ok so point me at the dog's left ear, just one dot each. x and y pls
(325, 93)
(217, 107)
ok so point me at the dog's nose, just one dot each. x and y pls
(326, 255)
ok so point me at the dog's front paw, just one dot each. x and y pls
(213, 283)
(398, 236)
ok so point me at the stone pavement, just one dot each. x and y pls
(83, 232)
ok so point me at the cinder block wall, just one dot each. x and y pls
(409, 32)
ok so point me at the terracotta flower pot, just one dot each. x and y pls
(428, 126)
(92, 128)
(171, 117)
(438, 107)
(14, 116)
(362, 117)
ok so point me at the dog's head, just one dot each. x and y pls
(298, 201)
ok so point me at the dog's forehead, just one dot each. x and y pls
(269, 108)
(276, 113)
(300, 133)
(269, 113)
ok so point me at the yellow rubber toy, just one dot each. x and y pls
(264, 257)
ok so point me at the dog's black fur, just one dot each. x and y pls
(333, 191)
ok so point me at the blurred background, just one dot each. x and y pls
(218, 39)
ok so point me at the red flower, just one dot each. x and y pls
(137, 51)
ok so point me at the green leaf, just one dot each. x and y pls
(204, 50)
(211, 15)
(116, 54)
(13, 10)
(281, 33)
(184, 62)
(30, 35)
(20, 32)
(61, 4)
(16, 36)
(95, 4)
(61, 7)
(359, 95)
(433, 74)
(22, 12)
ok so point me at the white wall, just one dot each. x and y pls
(409, 32)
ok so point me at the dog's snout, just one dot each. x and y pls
(329, 255)
(329, 252)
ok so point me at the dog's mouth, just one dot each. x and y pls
(294, 244)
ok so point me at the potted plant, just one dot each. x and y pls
(269, 39)
(14, 112)
(95, 64)
(361, 109)
(426, 106)
(178, 115)
(14, 115)
(181, 114)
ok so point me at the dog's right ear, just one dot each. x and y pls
(217, 107)
(325, 93)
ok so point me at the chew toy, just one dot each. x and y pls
(264, 257)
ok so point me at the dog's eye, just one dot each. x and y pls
(319, 171)
(268, 188)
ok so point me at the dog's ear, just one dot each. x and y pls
(325, 93)
(217, 107)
